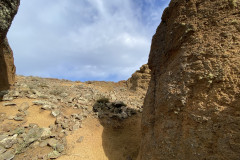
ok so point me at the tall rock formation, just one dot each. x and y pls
(8, 9)
(192, 107)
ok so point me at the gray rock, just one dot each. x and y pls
(53, 155)
(9, 104)
(52, 142)
(55, 113)
(35, 144)
(63, 94)
(3, 137)
(8, 155)
(7, 98)
(46, 107)
(44, 143)
(2, 150)
(65, 125)
(33, 135)
(32, 96)
(9, 141)
(46, 133)
(23, 107)
(40, 103)
(60, 147)
(76, 126)
(16, 94)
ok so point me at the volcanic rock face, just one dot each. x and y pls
(192, 107)
(8, 9)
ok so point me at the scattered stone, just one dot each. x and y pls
(8, 155)
(60, 147)
(19, 117)
(23, 107)
(32, 96)
(9, 104)
(7, 98)
(35, 144)
(16, 94)
(43, 143)
(52, 142)
(39, 103)
(2, 150)
(46, 133)
(80, 140)
(11, 117)
(3, 137)
(46, 107)
(9, 141)
(55, 113)
(76, 126)
(54, 155)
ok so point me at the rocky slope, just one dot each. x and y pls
(8, 9)
(191, 110)
(46, 118)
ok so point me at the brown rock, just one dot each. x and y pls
(140, 79)
(194, 94)
(7, 69)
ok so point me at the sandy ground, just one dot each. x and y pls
(101, 141)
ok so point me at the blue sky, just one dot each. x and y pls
(84, 39)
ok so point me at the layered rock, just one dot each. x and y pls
(191, 110)
(8, 9)
(140, 79)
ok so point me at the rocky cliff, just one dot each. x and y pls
(191, 110)
(8, 9)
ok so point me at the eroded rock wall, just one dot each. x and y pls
(8, 9)
(192, 107)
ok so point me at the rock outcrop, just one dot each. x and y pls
(192, 107)
(8, 9)
(140, 79)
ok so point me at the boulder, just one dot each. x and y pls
(191, 110)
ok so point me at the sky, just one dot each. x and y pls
(83, 40)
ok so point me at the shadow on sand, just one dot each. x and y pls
(121, 137)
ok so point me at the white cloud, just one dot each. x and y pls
(83, 40)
